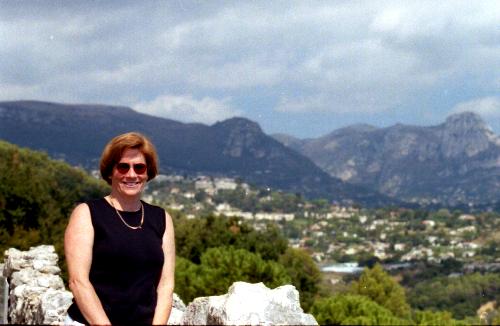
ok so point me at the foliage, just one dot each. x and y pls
(194, 236)
(462, 295)
(37, 195)
(427, 270)
(380, 287)
(188, 283)
(496, 318)
(349, 309)
(199, 242)
(221, 267)
(428, 317)
(305, 274)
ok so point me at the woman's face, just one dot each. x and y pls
(129, 183)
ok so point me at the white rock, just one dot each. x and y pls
(249, 304)
(54, 304)
(178, 308)
(37, 294)
(196, 312)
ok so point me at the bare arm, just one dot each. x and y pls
(78, 243)
(166, 285)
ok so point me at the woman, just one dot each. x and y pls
(120, 250)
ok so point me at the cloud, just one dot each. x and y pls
(188, 109)
(286, 57)
(486, 106)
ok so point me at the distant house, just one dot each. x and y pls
(467, 217)
(274, 216)
(205, 184)
(470, 228)
(399, 246)
(225, 184)
(429, 223)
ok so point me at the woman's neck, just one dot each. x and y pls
(124, 203)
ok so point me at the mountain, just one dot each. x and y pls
(236, 147)
(456, 163)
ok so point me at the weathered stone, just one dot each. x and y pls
(39, 258)
(249, 304)
(178, 309)
(37, 294)
(196, 312)
(54, 304)
(4, 298)
(35, 278)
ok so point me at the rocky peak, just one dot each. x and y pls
(240, 135)
(465, 122)
(353, 129)
(465, 134)
(288, 140)
(240, 124)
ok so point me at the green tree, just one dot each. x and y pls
(304, 273)
(461, 296)
(220, 267)
(188, 283)
(37, 195)
(349, 309)
(428, 317)
(194, 236)
(380, 287)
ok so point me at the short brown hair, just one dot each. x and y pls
(113, 152)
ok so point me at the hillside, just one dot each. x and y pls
(236, 147)
(453, 164)
(37, 195)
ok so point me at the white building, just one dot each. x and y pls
(225, 184)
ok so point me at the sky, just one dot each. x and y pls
(304, 68)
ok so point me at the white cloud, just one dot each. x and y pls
(188, 109)
(338, 56)
(486, 106)
(10, 92)
(302, 104)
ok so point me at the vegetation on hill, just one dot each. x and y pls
(37, 195)
(460, 295)
(377, 285)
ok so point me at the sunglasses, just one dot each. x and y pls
(139, 168)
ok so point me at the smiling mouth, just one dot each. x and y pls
(131, 184)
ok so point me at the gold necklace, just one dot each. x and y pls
(121, 218)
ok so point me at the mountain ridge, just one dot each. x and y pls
(455, 163)
(235, 147)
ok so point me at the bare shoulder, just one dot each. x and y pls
(169, 225)
(167, 215)
(80, 218)
(81, 211)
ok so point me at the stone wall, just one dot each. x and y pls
(248, 304)
(4, 298)
(36, 289)
(37, 296)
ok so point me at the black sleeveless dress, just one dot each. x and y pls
(126, 264)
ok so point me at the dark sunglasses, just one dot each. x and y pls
(139, 168)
